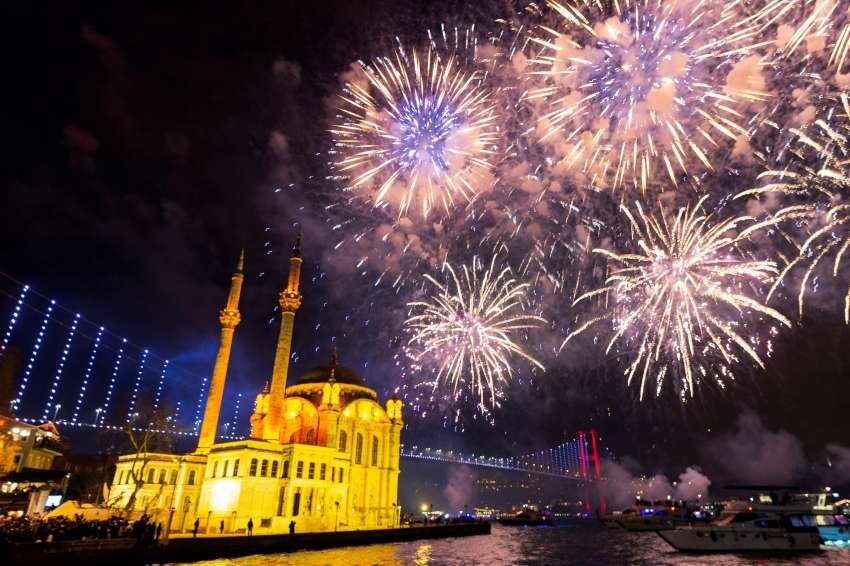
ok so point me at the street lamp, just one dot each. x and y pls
(57, 406)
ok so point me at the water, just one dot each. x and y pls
(581, 542)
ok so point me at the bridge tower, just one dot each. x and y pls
(229, 318)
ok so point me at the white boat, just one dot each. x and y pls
(745, 527)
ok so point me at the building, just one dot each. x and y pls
(27, 457)
(323, 452)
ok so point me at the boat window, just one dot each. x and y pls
(767, 524)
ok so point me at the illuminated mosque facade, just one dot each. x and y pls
(322, 451)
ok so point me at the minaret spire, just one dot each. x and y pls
(289, 300)
(229, 318)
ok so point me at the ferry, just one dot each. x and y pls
(530, 516)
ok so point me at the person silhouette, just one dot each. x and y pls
(250, 527)
(195, 529)
(292, 527)
(221, 527)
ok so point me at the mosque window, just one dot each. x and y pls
(323, 469)
(299, 469)
(253, 470)
(296, 502)
(285, 473)
(173, 477)
(214, 470)
(264, 468)
(340, 474)
(151, 476)
(374, 451)
(236, 467)
(333, 474)
(226, 469)
(311, 472)
(274, 469)
(281, 498)
(191, 478)
(358, 449)
(343, 441)
(122, 476)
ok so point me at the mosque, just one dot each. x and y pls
(322, 451)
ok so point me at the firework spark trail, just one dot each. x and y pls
(680, 299)
(809, 22)
(818, 177)
(631, 88)
(470, 324)
(421, 131)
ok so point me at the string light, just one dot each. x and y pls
(160, 384)
(235, 418)
(118, 357)
(177, 415)
(87, 375)
(136, 385)
(203, 393)
(60, 368)
(16, 404)
(13, 318)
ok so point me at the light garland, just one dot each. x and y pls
(16, 404)
(87, 375)
(13, 318)
(160, 385)
(60, 368)
(105, 406)
(136, 386)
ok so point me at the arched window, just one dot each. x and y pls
(358, 449)
(191, 478)
(323, 471)
(122, 476)
(374, 451)
(274, 469)
(151, 475)
(264, 468)
(252, 471)
(299, 469)
(215, 469)
(236, 467)
(285, 473)
(226, 469)
(173, 477)
(343, 441)
(311, 471)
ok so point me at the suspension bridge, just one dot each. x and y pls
(67, 369)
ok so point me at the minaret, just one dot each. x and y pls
(229, 317)
(290, 300)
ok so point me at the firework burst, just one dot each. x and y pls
(817, 182)
(632, 88)
(680, 303)
(418, 131)
(469, 326)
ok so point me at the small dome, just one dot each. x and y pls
(333, 371)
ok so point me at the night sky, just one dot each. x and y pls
(143, 146)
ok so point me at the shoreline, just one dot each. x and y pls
(111, 551)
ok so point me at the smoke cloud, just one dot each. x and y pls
(460, 487)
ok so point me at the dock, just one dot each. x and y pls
(125, 551)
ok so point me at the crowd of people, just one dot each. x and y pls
(29, 529)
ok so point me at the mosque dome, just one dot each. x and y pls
(331, 372)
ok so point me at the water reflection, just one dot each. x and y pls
(580, 543)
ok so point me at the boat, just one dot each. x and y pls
(746, 526)
(529, 517)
